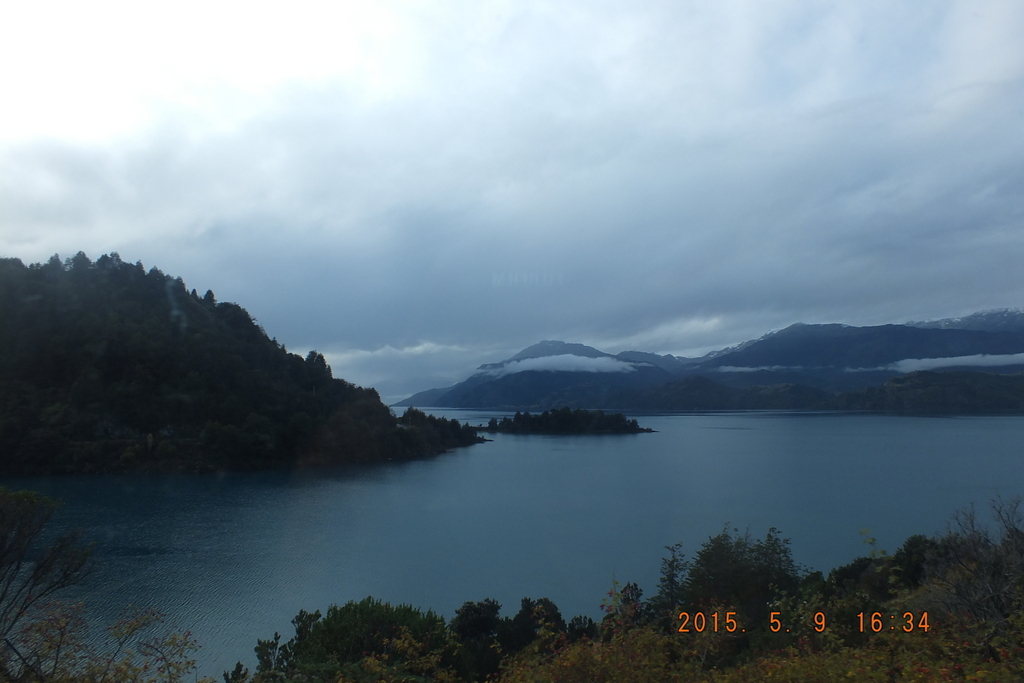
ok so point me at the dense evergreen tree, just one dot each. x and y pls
(671, 595)
(742, 572)
(533, 615)
(476, 625)
(107, 367)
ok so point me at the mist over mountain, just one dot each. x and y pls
(801, 366)
(669, 363)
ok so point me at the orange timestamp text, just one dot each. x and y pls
(876, 622)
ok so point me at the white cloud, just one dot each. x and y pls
(98, 70)
(563, 363)
(978, 360)
(905, 365)
(770, 368)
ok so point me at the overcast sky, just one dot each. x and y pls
(416, 188)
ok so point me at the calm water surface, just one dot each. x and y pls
(234, 557)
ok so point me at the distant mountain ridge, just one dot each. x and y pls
(800, 366)
(998, 320)
(844, 346)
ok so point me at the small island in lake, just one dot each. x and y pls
(565, 421)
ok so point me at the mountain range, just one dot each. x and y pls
(831, 366)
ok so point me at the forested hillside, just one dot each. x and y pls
(107, 367)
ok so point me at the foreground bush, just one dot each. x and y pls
(954, 652)
(368, 640)
(56, 647)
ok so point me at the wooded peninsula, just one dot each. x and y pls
(105, 367)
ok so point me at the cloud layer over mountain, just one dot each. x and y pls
(563, 363)
(975, 361)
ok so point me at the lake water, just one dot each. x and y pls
(234, 557)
